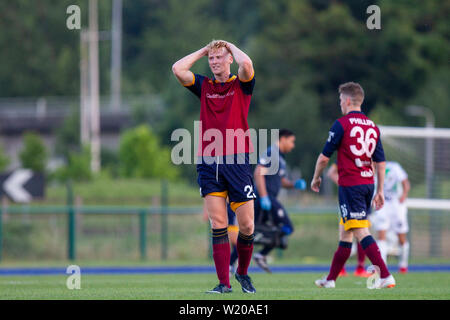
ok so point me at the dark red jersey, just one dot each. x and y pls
(357, 141)
(223, 115)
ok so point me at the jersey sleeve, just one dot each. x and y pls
(247, 86)
(378, 154)
(334, 139)
(196, 86)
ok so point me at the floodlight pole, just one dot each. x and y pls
(94, 82)
(420, 111)
(116, 54)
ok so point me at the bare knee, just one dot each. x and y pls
(246, 227)
(361, 233)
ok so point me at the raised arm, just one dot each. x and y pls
(181, 68)
(245, 71)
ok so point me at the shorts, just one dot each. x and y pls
(355, 205)
(393, 215)
(221, 179)
(277, 213)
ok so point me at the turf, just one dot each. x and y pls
(433, 285)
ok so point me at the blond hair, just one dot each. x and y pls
(216, 45)
(354, 91)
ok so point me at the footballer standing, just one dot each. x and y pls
(224, 170)
(357, 141)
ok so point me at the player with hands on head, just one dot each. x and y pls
(224, 105)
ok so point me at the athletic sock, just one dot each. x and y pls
(221, 255)
(373, 253)
(234, 256)
(340, 257)
(361, 257)
(245, 249)
(404, 254)
(383, 246)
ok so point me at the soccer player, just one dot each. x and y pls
(360, 271)
(224, 169)
(394, 213)
(357, 141)
(268, 187)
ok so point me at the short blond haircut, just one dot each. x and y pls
(216, 45)
(354, 91)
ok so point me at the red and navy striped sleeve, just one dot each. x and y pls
(334, 139)
(247, 86)
(196, 86)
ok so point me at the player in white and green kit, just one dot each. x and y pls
(393, 216)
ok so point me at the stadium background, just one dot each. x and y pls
(301, 50)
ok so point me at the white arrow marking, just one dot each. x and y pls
(14, 185)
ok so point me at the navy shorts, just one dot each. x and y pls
(355, 205)
(225, 179)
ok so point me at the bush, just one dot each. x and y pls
(4, 160)
(34, 153)
(78, 167)
(142, 156)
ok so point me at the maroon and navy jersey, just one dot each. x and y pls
(223, 106)
(357, 141)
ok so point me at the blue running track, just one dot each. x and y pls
(41, 271)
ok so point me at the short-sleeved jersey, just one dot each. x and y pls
(357, 141)
(223, 107)
(393, 180)
(273, 182)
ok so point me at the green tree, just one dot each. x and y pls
(34, 154)
(141, 155)
(4, 160)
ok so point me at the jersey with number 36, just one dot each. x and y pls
(357, 141)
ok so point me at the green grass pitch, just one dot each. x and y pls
(292, 286)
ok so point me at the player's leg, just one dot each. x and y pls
(233, 230)
(381, 223)
(216, 207)
(372, 251)
(382, 244)
(238, 177)
(361, 255)
(245, 218)
(340, 256)
(401, 228)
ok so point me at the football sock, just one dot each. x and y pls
(361, 256)
(234, 256)
(221, 254)
(340, 257)
(383, 246)
(404, 254)
(373, 253)
(245, 250)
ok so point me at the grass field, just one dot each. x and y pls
(292, 286)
